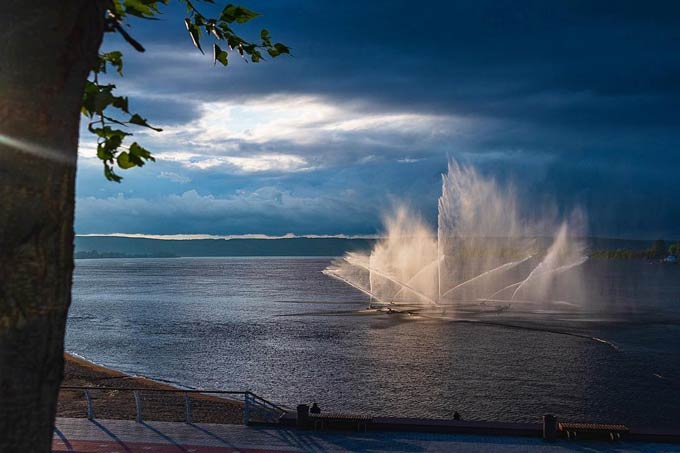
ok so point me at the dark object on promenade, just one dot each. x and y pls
(302, 415)
(549, 427)
(340, 421)
(456, 416)
(592, 430)
(315, 409)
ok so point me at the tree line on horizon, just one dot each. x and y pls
(96, 254)
(658, 250)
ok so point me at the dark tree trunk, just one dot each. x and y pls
(46, 50)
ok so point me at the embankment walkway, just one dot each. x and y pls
(83, 435)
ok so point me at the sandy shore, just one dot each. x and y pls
(120, 404)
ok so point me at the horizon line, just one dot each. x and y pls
(189, 237)
(227, 237)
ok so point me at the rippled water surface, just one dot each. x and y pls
(237, 323)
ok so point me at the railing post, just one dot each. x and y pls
(187, 404)
(138, 403)
(246, 408)
(90, 410)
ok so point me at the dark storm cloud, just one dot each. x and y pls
(586, 95)
(473, 57)
(166, 110)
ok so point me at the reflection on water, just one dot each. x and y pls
(215, 323)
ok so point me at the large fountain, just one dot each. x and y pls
(483, 256)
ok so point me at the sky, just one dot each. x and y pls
(574, 103)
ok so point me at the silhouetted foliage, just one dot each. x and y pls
(109, 115)
(657, 250)
(674, 249)
(95, 254)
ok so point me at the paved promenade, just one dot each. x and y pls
(82, 435)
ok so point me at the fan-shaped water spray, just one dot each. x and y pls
(483, 251)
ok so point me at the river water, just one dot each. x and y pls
(279, 327)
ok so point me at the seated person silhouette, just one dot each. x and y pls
(456, 416)
(315, 409)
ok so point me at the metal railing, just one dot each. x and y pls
(259, 408)
(255, 408)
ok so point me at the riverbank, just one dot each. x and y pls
(119, 403)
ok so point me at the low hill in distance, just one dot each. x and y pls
(220, 247)
(131, 247)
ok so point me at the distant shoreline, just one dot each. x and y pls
(135, 247)
(96, 254)
(79, 371)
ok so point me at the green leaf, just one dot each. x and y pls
(280, 48)
(233, 41)
(232, 13)
(106, 150)
(265, 36)
(115, 59)
(121, 103)
(139, 121)
(217, 33)
(96, 98)
(102, 99)
(146, 9)
(110, 174)
(103, 153)
(88, 98)
(220, 55)
(194, 33)
(140, 154)
(136, 156)
(106, 132)
(124, 161)
(118, 8)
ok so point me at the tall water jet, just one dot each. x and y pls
(482, 251)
